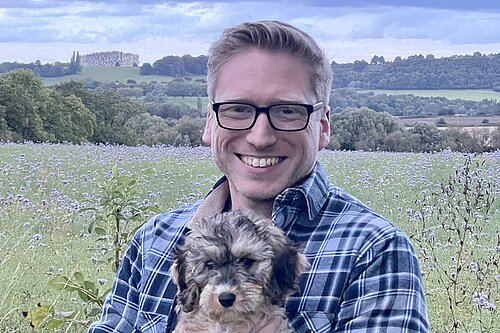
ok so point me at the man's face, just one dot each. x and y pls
(261, 162)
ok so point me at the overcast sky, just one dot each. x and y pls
(50, 30)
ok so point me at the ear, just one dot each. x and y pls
(324, 135)
(188, 292)
(287, 269)
(207, 133)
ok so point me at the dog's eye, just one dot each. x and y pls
(210, 266)
(247, 262)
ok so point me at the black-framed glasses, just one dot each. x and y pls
(288, 117)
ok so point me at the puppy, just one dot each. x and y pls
(233, 274)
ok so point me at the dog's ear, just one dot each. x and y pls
(287, 268)
(188, 292)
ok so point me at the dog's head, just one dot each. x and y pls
(233, 263)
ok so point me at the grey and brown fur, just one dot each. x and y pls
(233, 273)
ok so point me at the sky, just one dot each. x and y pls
(347, 30)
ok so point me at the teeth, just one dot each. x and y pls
(260, 162)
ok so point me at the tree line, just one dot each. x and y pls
(177, 66)
(477, 71)
(46, 70)
(406, 105)
(71, 112)
(397, 105)
(366, 129)
(110, 59)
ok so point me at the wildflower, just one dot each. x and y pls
(474, 266)
(37, 237)
(102, 281)
(480, 298)
(417, 215)
(490, 306)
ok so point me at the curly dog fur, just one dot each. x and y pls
(234, 273)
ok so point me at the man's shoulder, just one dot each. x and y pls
(350, 217)
(165, 229)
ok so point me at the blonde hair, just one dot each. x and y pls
(273, 36)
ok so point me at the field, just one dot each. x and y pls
(467, 94)
(189, 100)
(109, 74)
(42, 187)
(454, 121)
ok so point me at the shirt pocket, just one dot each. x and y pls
(315, 322)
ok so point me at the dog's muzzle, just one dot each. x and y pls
(227, 299)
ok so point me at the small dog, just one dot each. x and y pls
(233, 274)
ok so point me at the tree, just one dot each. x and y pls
(112, 112)
(362, 129)
(5, 134)
(30, 111)
(170, 65)
(69, 120)
(22, 99)
(426, 136)
(189, 131)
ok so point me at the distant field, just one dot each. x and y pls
(454, 121)
(189, 100)
(108, 74)
(122, 74)
(468, 94)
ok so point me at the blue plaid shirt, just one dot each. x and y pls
(363, 277)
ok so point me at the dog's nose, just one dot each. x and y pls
(227, 299)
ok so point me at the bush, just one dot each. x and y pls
(441, 123)
(455, 246)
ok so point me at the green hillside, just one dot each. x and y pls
(108, 74)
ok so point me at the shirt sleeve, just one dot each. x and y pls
(384, 292)
(121, 306)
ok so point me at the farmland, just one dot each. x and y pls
(109, 74)
(468, 94)
(454, 121)
(43, 186)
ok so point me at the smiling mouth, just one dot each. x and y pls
(261, 162)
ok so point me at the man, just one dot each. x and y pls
(269, 86)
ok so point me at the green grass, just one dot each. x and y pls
(42, 185)
(109, 74)
(467, 94)
(189, 100)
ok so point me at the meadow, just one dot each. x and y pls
(43, 232)
(107, 75)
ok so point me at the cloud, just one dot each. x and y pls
(348, 30)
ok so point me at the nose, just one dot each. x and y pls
(261, 135)
(227, 299)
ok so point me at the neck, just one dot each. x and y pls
(263, 208)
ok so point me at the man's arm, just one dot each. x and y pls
(121, 305)
(385, 291)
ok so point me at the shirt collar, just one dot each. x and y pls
(313, 190)
(215, 201)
